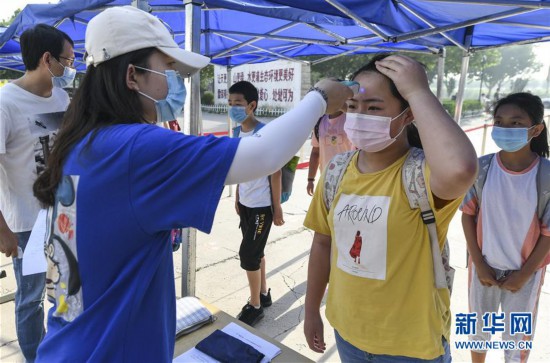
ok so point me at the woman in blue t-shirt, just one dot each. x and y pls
(116, 185)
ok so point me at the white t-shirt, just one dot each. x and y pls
(28, 124)
(509, 220)
(255, 193)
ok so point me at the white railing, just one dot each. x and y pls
(219, 108)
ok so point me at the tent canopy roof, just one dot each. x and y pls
(251, 31)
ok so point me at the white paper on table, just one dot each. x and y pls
(194, 355)
(34, 260)
(263, 346)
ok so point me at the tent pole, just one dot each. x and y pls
(279, 55)
(428, 23)
(522, 3)
(463, 74)
(191, 120)
(484, 19)
(255, 39)
(461, 84)
(440, 72)
(229, 123)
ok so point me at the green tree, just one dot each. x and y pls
(453, 65)
(340, 67)
(450, 85)
(343, 66)
(517, 61)
(207, 79)
(7, 22)
(519, 84)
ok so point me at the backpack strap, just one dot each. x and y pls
(334, 172)
(484, 165)
(417, 194)
(543, 186)
(259, 125)
(316, 128)
(237, 130)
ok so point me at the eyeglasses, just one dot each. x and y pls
(71, 61)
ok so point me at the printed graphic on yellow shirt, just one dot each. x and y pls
(361, 235)
(355, 251)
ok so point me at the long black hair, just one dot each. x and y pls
(103, 99)
(534, 107)
(412, 132)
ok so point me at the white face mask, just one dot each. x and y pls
(370, 133)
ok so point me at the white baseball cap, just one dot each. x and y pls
(124, 29)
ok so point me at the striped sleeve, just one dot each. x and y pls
(470, 203)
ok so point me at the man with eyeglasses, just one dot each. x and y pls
(30, 113)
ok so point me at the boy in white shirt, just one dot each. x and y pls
(258, 204)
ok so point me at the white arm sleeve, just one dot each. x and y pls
(277, 142)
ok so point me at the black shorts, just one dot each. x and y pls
(255, 226)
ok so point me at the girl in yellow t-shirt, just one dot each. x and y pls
(383, 301)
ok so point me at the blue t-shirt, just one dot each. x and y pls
(110, 270)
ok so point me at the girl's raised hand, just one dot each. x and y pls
(408, 75)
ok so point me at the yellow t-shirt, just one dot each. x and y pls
(381, 295)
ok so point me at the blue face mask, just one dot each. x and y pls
(65, 79)
(237, 113)
(510, 139)
(171, 107)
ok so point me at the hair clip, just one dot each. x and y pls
(106, 55)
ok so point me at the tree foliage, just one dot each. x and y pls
(7, 22)
(343, 66)
(450, 85)
(517, 61)
(207, 79)
(340, 67)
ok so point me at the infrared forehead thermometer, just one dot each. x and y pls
(354, 86)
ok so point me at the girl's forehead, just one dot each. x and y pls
(373, 86)
(373, 83)
(511, 109)
(371, 77)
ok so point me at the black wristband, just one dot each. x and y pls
(320, 91)
(310, 179)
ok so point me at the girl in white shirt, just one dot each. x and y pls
(508, 239)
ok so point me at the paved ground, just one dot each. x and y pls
(221, 281)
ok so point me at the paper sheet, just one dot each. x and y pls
(263, 346)
(194, 355)
(269, 350)
(34, 260)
